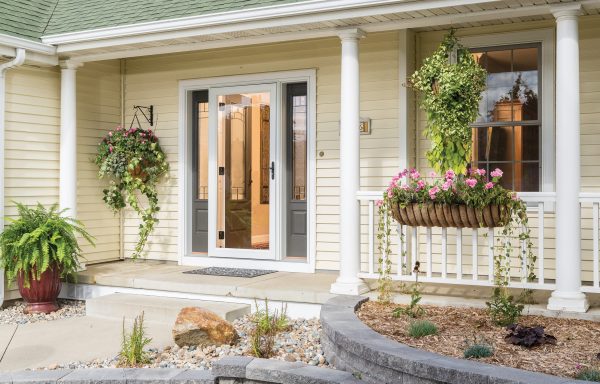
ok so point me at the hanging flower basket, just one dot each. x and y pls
(449, 215)
(461, 201)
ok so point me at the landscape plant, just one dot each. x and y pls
(588, 372)
(450, 83)
(421, 328)
(132, 352)
(528, 337)
(503, 309)
(40, 238)
(134, 162)
(413, 309)
(266, 326)
(477, 348)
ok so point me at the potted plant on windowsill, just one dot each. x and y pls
(38, 248)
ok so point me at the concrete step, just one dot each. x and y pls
(157, 309)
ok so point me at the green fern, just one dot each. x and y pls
(39, 238)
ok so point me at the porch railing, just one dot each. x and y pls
(466, 256)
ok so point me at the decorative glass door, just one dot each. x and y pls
(243, 145)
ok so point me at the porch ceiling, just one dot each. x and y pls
(325, 24)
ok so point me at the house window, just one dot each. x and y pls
(508, 132)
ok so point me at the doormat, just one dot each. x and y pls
(230, 272)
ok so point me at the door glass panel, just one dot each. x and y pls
(202, 158)
(299, 146)
(243, 157)
(296, 223)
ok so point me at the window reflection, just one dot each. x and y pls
(507, 133)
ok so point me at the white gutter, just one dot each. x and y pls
(17, 61)
(337, 9)
(29, 45)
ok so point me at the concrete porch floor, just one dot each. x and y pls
(309, 288)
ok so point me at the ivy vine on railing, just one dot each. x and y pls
(134, 162)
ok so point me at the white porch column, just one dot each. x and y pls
(348, 282)
(568, 295)
(68, 138)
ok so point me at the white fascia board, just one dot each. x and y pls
(272, 16)
(291, 36)
(199, 46)
(30, 46)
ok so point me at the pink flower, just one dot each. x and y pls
(403, 173)
(489, 185)
(514, 196)
(432, 174)
(471, 182)
(414, 174)
(119, 128)
(110, 133)
(446, 186)
(379, 203)
(420, 185)
(404, 187)
(480, 172)
(432, 192)
(450, 174)
(110, 148)
(390, 193)
(496, 173)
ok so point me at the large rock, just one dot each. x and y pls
(198, 326)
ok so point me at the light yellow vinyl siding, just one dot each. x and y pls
(98, 111)
(33, 137)
(154, 80)
(32, 124)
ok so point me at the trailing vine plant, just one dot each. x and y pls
(134, 162)
(450, 83)
(384, 286)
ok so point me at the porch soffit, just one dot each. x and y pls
(324, 25)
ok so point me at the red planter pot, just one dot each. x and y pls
(42, 294)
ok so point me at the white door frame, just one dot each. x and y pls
(186, 87)
(275, 204)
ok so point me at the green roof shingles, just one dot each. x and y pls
(81, 15)
(25, 18)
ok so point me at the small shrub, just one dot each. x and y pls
(502, 308)
(422, 328)
(588, 374)
(132, 348)
(413, 309)
(266, 326)
(478, 351)
(528, 337)
(477, 348)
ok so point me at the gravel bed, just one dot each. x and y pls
(13, 313)
(300, 343)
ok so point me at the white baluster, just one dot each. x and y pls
(475, 251)
(371, 238)
(459, 253)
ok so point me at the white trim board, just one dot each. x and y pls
(185, 256)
